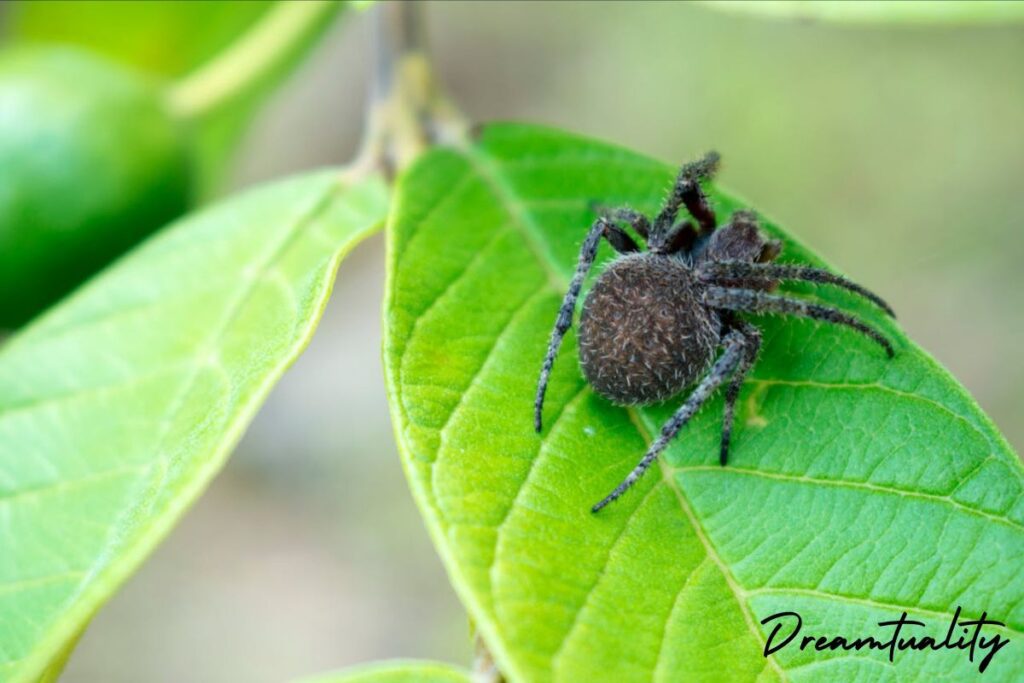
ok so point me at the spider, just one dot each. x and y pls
(654, 320)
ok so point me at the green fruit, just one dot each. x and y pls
(91, 161)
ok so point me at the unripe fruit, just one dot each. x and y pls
(91, 161)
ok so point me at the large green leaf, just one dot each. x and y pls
(117, 407)
(858, 487)
(397, 671)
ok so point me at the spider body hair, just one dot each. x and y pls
(644, 334)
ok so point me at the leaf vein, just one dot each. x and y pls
(906, 493)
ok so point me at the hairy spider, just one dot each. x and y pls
(653, 321)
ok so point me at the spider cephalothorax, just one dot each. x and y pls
(653, 321)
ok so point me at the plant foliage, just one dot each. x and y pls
(857, 488)
(119, 406)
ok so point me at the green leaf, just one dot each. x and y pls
(220, 60)
(397, 671)
(857, 487)
(118, 406)
(166, 38)
(880, 11)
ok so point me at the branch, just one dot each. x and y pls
(408, 111)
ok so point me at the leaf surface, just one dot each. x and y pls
(857, 488)
(119, 406)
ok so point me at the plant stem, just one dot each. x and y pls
(408, 111)
(279, 37)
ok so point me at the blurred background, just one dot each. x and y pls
(895, 152)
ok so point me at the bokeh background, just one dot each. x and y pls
(896, 152)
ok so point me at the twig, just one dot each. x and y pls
(408, 112)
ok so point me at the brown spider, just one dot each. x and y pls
(653, 321)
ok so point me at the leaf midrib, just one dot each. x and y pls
(709, 548)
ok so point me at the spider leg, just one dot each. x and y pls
(753, 301)
(623, 243)
(636, 220)
(620, 239)
(753, 337)
(738, 270)
(681, 238)
(686, 191)
(735, 350)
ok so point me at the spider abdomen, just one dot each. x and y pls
(644, 333)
